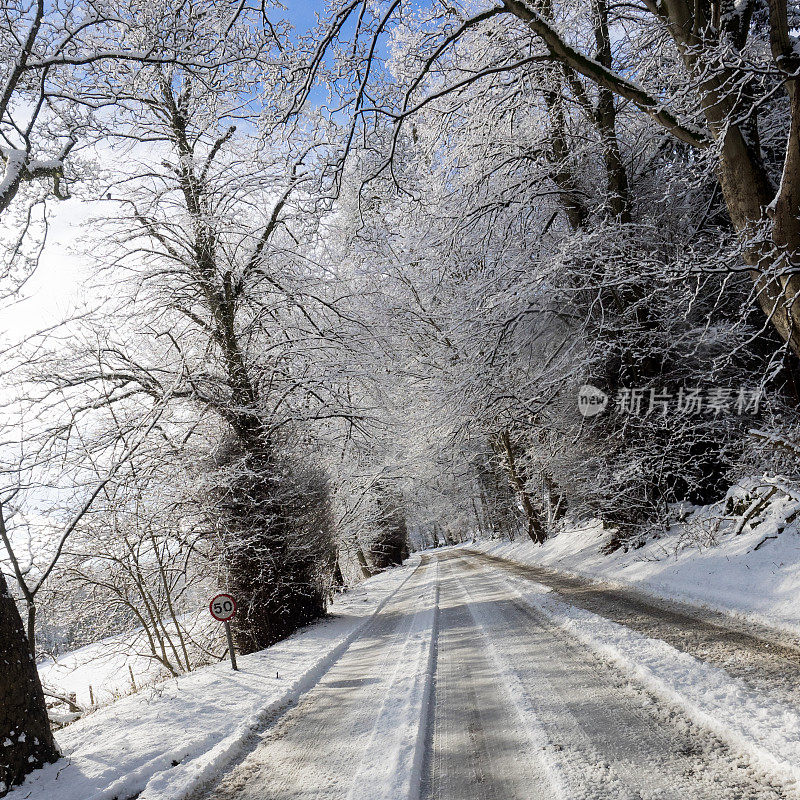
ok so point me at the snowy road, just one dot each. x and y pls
(461, 690)
(767, 660)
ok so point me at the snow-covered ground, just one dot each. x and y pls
(768, 730)
(168, 737)
(458, 677)
(100, 672)
(704, 561)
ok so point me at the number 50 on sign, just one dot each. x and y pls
(222, 607)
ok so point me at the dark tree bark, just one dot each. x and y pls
(570, 198)
(605, 119)
(23, 713)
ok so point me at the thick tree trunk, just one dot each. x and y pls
(754, 204)
(536, 529)
(366, 570)
(571, 200)
(26, 741)
(605, 119)
(555, 499)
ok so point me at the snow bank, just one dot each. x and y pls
(105, 666)
(764, 728)
(755, 574)
(167, 739)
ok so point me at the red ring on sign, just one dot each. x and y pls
(222, 618)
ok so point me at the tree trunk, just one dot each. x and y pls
(26, 741)
(535, 527)
(555, 498)
(31, 609)
(366, 571)
(570, 198)
(338, 578)
(605, 119)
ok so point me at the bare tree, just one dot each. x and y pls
(67, 66)
(731, 72)
(219, 239)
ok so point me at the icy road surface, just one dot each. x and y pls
(468, 687)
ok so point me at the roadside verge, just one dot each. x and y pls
(169, 738)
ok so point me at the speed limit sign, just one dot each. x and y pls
(222, 607)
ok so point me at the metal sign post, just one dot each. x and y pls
(230, 644)
(223, 609)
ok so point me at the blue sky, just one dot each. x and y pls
(301, 13)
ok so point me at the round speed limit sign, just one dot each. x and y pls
(222, 607)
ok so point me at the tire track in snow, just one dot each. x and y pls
(321, 747)
(768, 731)
(391, 767)
(613, 739)
(187, 779)
(539, 751)
(766, 660)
